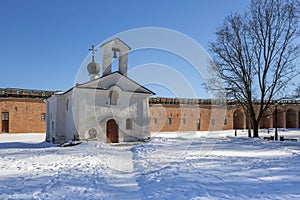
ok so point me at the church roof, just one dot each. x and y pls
(119, 80)
(113, 79)
(118, 39)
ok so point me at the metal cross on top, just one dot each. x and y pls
(93, 51)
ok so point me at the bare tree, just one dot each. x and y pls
(297, 92)
(254, 54)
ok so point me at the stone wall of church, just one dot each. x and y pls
(25, 115)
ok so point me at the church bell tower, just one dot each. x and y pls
(114, 49)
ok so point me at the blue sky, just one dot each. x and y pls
(43, 43)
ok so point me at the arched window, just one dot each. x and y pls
(129, 124)
(198, 123)
(155, 120)
(113, 96)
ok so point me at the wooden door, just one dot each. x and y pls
(5, 122)
(112, 135)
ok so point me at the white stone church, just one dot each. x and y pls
(111, 108)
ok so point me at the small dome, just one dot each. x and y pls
(93, 68)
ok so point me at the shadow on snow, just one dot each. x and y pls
(23, 145)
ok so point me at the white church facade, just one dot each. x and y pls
(110, 108)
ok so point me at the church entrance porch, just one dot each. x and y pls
(112, 135)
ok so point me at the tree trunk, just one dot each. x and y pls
(249, 132)
(255, 129)
(248, 124)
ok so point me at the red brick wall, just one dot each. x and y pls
(209, 120)
(25, 114)
(288, 116)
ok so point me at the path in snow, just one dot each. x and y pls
(187, 166)
(121, 175)
(233, 169)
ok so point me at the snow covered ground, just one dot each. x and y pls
(196, 165)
